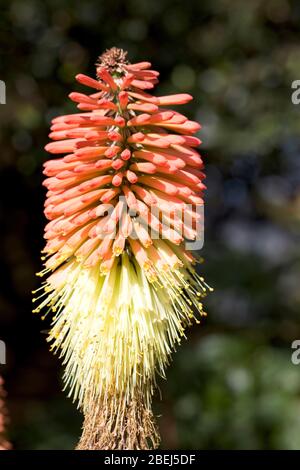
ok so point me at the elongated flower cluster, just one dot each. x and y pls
(121, 202)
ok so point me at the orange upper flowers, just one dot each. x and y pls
(124, 142)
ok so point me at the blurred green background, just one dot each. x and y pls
(232, 384)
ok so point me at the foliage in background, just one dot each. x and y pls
(233, 385)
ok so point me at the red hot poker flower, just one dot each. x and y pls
(122, 201)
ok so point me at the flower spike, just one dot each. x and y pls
(124, 189)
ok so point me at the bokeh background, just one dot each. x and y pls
(232, 385)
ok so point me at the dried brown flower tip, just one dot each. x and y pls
(112, 59)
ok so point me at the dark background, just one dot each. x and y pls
(232, 384)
